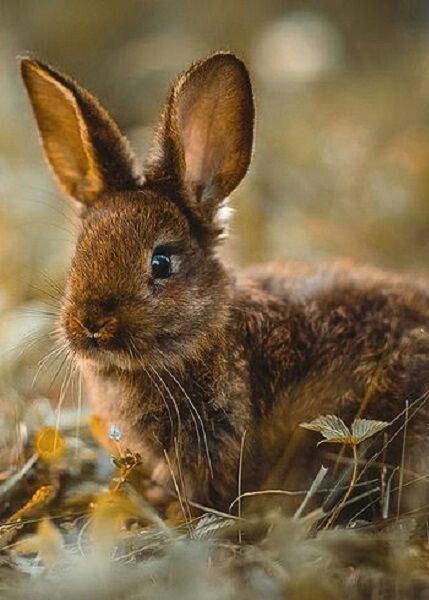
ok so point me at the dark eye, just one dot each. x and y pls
(161, 266)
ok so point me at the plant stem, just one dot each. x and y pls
(338, 509)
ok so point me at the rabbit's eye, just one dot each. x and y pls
(161, 266)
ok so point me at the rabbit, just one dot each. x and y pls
(208, 371)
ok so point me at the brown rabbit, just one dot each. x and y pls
(184, 355)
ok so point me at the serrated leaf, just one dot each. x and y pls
(362, 429)
(332, 428)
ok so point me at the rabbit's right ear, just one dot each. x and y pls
(84, 146)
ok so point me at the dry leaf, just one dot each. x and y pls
(336, 431)
(362, 429)
(331, 427)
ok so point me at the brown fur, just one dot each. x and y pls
(186, 365)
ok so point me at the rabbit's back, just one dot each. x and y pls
(361, 338)
(307, 281)
(347, 321)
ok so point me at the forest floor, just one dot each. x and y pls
(76, 524)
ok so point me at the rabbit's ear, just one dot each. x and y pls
(206, 133)
(84, 146)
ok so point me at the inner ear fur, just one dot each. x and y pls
(205, 137)
(84, 147)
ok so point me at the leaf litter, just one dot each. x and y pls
(77, 523)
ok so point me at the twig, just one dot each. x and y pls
(176, 487)
(386, 499)
(182, 479)
(401, 470)
(240, 469)
(268, 493)
(421, 399)
(313, 489)
(16, 478)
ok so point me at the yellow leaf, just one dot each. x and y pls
(49, 444)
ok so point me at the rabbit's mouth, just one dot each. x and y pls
(102, 358)
(104, 353)
(102, 341)
(126, 336)
(121, 359)
(126, 352)
(106, 344)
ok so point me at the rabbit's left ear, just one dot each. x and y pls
(206, 133)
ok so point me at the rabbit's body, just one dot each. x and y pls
(205, 372)
(298, 342)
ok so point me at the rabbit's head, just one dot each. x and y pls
(145, 282)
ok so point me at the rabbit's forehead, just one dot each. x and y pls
(136, 222)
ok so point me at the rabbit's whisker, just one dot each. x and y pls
(59, 369)
(194, 413)
(53, 285)
(79, 409)
(70, 370)
(55, 298)
(171, 397)
(178, 439)
(28, 341)
(170, 418)
(64, 216)
(52, 355)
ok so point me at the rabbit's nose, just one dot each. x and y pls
(93, 331)
(96, 329)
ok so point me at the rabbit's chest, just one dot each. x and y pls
(132, 411)
(154, 414)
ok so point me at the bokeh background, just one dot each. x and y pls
(341, 165)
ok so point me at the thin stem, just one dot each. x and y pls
(240, 476)
(346, 496)
(401, 471)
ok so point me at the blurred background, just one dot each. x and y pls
(341, 165)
